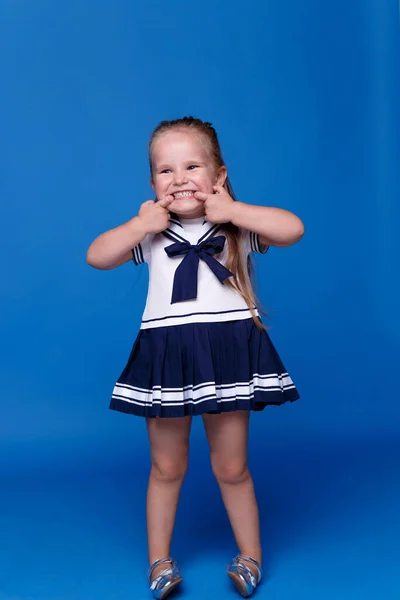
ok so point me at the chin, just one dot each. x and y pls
(187, 208)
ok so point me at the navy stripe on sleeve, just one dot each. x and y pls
(255, 244)
(137, 255)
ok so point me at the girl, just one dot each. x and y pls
(201, 349)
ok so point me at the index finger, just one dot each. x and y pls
(165, 202)
(201, 196)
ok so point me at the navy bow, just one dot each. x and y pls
(185, 279)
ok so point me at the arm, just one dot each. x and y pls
(114, 247)
(274, 226)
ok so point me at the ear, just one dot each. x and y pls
(221, 176)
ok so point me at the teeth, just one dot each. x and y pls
(183, 194)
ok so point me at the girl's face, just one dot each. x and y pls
(182, 165)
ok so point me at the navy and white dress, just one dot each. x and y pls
(198, 349)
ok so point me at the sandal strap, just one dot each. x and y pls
(157, 563)
(241, 565)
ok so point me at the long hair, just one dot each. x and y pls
(240, 266)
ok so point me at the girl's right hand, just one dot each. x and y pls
(154, 216)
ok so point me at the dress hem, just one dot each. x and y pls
(205, 408)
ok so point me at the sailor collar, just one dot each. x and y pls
(176, 230)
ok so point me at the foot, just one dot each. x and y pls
(164, 576)
(245, 573)
(251, 566)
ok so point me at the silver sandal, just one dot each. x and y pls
(167, 580)
(242, 576)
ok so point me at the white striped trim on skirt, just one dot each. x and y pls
(196, 394)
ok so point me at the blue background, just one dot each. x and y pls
(305, 97)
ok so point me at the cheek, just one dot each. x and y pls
(206, 181)
(160, 186)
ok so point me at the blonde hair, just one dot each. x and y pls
(240, 266)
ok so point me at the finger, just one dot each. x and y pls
(166, 201)
(201, 196)
(148, 202)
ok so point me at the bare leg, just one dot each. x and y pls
(227, 435)
(169, 444)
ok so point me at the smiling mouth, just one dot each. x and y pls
(188, 194)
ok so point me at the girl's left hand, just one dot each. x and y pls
(218, 207)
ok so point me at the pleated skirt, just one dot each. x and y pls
(199, 368)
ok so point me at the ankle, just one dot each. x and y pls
(158, 565)
(160, 568)
(256, 556)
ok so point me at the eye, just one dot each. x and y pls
(191, 167)
(165, 171)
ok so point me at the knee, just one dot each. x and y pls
(169, 471)
(230, 471)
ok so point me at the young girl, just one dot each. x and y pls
(201, 349)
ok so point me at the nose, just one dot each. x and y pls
(180, 177)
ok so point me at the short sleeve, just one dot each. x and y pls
(141, 252)
(251, 242)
